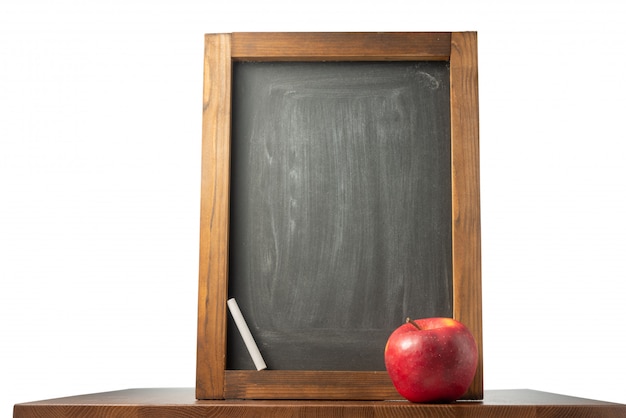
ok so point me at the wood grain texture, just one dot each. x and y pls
(466, 240)
(213, 274)
(286, 384)
(313, 46)
(181, 403)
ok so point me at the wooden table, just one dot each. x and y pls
(181, 402)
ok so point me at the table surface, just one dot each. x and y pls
(181, 402)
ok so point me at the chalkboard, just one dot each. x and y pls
(340, 208)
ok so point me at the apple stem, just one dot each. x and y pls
(412, 322)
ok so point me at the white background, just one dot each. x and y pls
(100, 127)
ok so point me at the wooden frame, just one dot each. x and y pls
(213, 381)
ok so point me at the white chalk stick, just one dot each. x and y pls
(248, 340)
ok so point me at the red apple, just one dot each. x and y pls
(431, 360)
